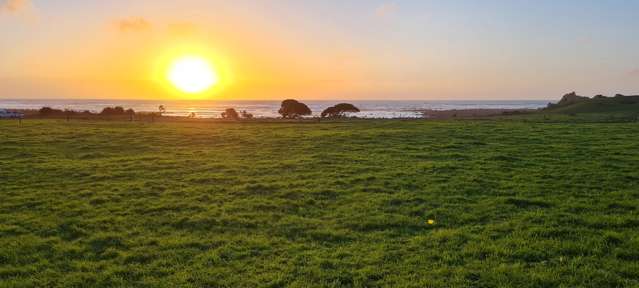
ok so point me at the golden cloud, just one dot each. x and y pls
(133, 24)
(14, 5)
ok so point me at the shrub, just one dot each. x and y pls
(339, 110)
(49, 111)
(115, 111)
(246, 115)
(292, 109)
(230, 114)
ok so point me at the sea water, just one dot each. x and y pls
(264, 109)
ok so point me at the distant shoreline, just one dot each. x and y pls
(472, 113)
(570, 104)
(393, 109)
(427, 114)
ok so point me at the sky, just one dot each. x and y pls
(317, 50)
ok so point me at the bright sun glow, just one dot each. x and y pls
(192, 74)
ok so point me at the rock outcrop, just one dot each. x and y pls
(572, 98)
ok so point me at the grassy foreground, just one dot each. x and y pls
(104, 204)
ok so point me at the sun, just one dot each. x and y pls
(192, 74)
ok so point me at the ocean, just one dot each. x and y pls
(263, 109)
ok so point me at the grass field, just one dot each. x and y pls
(514, 204)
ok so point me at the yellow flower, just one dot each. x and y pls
(430, 222)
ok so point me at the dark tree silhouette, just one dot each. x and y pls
(49, 111)
(113, 111)
(107, 111)
(339, 110)
(246, 115)
(131, 113)
(68, 113)
(230, 114)
(292, 109)
(161, 109)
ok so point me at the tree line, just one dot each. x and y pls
(289, 109)
(293, 109)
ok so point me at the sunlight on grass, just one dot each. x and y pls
(104, 204)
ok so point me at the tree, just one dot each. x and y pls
(161, 110)
(131, 113)
(113, 111)
(246, 115)
(292, 109)
(339, 110)
(107, 111)
(230, 114)
(68, 113)
(49, 111)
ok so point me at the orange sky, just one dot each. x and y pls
(126, 57)
(315, 49)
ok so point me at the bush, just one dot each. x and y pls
(116, 111)
(339, 110)
(49, 111)
(230, 114)
(292, 109)
(246, 115)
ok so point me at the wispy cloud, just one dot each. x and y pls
(386, 10)
(634, 73)
(12, 6)
(133, 24)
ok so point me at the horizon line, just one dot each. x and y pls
(264, 100)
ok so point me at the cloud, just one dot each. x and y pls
(133, 24)
(12, 6)
(634, 73)
(386, 10)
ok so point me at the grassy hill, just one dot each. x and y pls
(335, 204)
(573, 104)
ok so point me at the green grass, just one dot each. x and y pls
(600, 107)
(614, 106)
(516, 204)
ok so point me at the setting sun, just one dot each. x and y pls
(192, 74)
